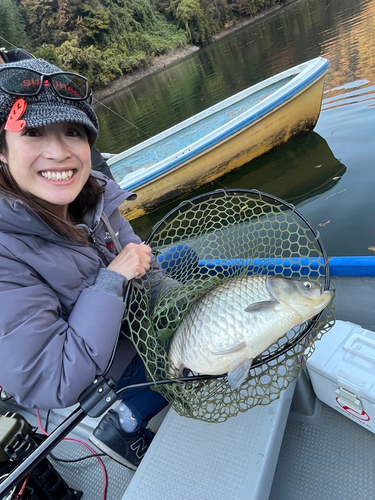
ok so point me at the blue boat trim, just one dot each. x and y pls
(339, 266)
(276, 104)
(352, 266)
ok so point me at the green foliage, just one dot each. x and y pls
(104, 39)
(96, 21)
(190, 15)
(252, 7)
(90, 61)
(12, 26)
(41, 21)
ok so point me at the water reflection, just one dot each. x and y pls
(336, 29)
(340, 30)
(338, 98)
(301, 170)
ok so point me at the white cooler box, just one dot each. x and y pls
(342, 372)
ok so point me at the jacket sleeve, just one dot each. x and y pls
(46, 361)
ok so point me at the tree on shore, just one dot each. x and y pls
(12, 26)
(105, 39)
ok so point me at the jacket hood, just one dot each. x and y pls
(18, 218)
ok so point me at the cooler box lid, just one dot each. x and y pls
(346, 356)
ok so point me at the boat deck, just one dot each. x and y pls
(328, 457)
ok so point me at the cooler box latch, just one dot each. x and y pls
(348, 399)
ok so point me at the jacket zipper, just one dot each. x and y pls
(96, 245)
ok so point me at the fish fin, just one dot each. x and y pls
(236, 348)
(261, 306)
(238, 375)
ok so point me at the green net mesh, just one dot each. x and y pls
(202, 244)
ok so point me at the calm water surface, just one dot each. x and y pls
(329, 174)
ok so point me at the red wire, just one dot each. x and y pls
(22, 490)
(88, 447)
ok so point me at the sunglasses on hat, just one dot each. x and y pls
(28, 82)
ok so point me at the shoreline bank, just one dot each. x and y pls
(163, 60)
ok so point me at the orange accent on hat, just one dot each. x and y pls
(14, 122)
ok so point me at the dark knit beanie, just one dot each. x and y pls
(47, 107)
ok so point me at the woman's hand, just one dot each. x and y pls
(133, 261)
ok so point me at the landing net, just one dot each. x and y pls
(202, 244)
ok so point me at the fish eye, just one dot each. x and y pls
(307, 284)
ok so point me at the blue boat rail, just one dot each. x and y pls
(360, 266)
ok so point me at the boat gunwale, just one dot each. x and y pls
(310, 73)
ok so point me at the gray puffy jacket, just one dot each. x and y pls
(57, 326)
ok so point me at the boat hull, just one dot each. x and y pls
(296, 117)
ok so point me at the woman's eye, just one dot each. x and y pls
(73, 133)
(32, 132)
(76, 132)
(307, 284)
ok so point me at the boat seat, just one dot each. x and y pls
(190, 459)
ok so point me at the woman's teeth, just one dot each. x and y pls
(58, 176)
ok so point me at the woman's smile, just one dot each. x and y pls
(65, 175)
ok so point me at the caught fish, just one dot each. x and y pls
(232, 324)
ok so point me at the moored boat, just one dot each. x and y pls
(221, 138)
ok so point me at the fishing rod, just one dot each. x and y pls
(57, 435)
(120, 116)
(7, 41)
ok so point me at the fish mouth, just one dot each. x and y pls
(326, 295)
(324, 291)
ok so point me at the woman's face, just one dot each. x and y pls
(52, 163)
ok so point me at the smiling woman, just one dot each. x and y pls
(66, 255)
(52, 163)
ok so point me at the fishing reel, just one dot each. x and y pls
(17, 441)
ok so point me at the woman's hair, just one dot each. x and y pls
(85, 201)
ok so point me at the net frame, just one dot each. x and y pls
(183, 393)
